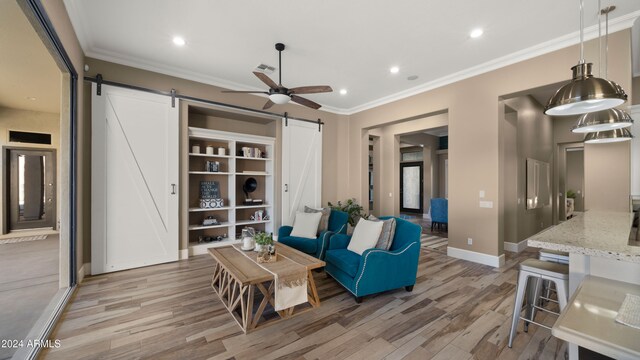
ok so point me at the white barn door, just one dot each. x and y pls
(301, 167)
(134, 205)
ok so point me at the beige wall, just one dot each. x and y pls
(474, 133)
(635, 99)
(442, 183)
(30, 121)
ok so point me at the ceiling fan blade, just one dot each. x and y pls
(268, 104)
(305, 102)
(244, 92)
(265, 79)
(311, 89)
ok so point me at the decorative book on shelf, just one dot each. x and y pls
(209, 189)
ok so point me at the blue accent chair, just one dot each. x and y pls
(316, 247)
(376, 270)
(439, 213)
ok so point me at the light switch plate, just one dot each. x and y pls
(481, 194)
(486, 204)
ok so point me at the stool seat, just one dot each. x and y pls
(546, 268)
(553, 255)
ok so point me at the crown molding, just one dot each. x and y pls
(620, 23)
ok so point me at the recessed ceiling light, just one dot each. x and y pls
(476, 33)
(412, 77)
(394, 70)
(177, 40)
(343, 91)
(31, 98)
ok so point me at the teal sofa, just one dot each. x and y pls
(376, 270)
(318, 246)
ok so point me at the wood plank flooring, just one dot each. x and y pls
(457, 310)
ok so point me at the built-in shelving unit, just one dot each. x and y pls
(235, 169)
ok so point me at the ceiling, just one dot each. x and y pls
(345, 44)
(29, 77)
(438, 131)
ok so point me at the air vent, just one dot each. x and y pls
(264, 68)
(29, 137)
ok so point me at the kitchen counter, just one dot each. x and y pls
(594, 233)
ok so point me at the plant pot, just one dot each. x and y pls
(258, 248)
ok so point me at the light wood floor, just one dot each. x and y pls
(457, 310)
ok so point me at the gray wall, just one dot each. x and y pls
(534, 139)
(575, 177)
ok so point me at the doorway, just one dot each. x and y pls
(411, 187)
(571, 196)
(31, 188)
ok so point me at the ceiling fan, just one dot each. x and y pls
(279, 94)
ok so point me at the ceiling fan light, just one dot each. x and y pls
(602, 121)
(610, 136)
(279, 98)
(585, 93)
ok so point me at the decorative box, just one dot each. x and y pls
(211, 203)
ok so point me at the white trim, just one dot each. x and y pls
(480, 258)
(515, 247)
(616, 24)
(184, 254)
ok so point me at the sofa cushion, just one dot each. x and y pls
(365, 236)
(306, 225)
(308, 246)
(324, 220)
(345, 260)
(387, 233)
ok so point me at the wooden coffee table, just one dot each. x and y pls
(236, 278)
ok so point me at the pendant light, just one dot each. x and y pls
(585, 93)
(610, 136)
(606, 119)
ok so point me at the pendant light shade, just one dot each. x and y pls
(585, 93)
(602, 121)
(610, 136)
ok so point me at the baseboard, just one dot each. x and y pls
(480, 258)
(184, 254)
(515, 247)
(84, 270)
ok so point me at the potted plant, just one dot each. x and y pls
(262, 239)
(351, 207)
(571, 194)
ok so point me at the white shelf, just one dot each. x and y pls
(197, 209)
(209, 173)
(213, 155)
(252, 206)
(235, 213)
(250, 222)
(252, 158)
(196, 248)
(201, 227)
(253, 174)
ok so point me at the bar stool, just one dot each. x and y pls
(538, 270)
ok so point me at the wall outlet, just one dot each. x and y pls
(469, 241)
(486, 204)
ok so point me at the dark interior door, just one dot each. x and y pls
(411, 187)
(31, 188)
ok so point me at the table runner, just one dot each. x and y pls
(290, 279)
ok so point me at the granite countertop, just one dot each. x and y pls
(595, 232)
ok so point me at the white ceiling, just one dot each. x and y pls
(27, 69)
(344, 44)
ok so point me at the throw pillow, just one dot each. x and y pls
(305, 225)
(388, 231)
(324, 220)
(365, 236)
